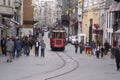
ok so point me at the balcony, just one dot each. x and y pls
(6, 10)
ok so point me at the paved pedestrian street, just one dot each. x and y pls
(57, 65)
(36, 68)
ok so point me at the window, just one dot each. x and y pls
(95, 2)
(9, 2)
(4, 2)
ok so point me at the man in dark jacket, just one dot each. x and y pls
(117, 58)
(18, 45)
(107, 46)
(3, 46)
(37, 44)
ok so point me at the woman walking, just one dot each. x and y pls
(37, 48)
(43, 46)
(98, 52)
(76, 46)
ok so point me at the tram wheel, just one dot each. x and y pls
(63, 49)
(52, 49)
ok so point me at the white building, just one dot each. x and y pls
(47, 11)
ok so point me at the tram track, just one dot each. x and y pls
(66, 72)
(57, 72)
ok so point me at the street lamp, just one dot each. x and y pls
(90, 30)
(69, 15)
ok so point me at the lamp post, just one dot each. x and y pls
(69, 14)
(90, 30)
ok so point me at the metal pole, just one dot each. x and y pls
(90, 30)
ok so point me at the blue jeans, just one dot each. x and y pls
(18, 52)
(25, 50)
(42, 53)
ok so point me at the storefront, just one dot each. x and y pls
(115, 11)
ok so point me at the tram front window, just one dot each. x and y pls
(58, 35)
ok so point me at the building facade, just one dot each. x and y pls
(28, 18)
(73, 13)
(97, 11)
(49, 14)
(8, 17)
(114, 21)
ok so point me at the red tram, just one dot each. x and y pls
(58, 38)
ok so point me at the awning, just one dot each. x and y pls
(115, 7)
(9, 22)
(98, 31)
(117, 32)
(14, 21)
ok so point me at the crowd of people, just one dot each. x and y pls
(17, 46)
(14, 46)
(95, 49)
(99, 50)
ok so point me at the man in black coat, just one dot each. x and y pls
(3, 46)
(117, 58)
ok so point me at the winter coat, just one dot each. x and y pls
(10, 46)
(18, 44)
(3, 43)
(117, 55)
(37, 44)
(42, 45)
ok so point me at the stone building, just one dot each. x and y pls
(97, 11)
(73, 13)
(114, 18)
(10, 17)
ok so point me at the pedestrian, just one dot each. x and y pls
(98, 52)
(9, 49)
(102, 51)
(107, 46)
(30, 40)
(26, 46)
(76, 46)
(3, 46)
(43, 46)
(14, 40)
(37, 43)
(93, 46)
(117, 58)
(81, 46)
(18, 45)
